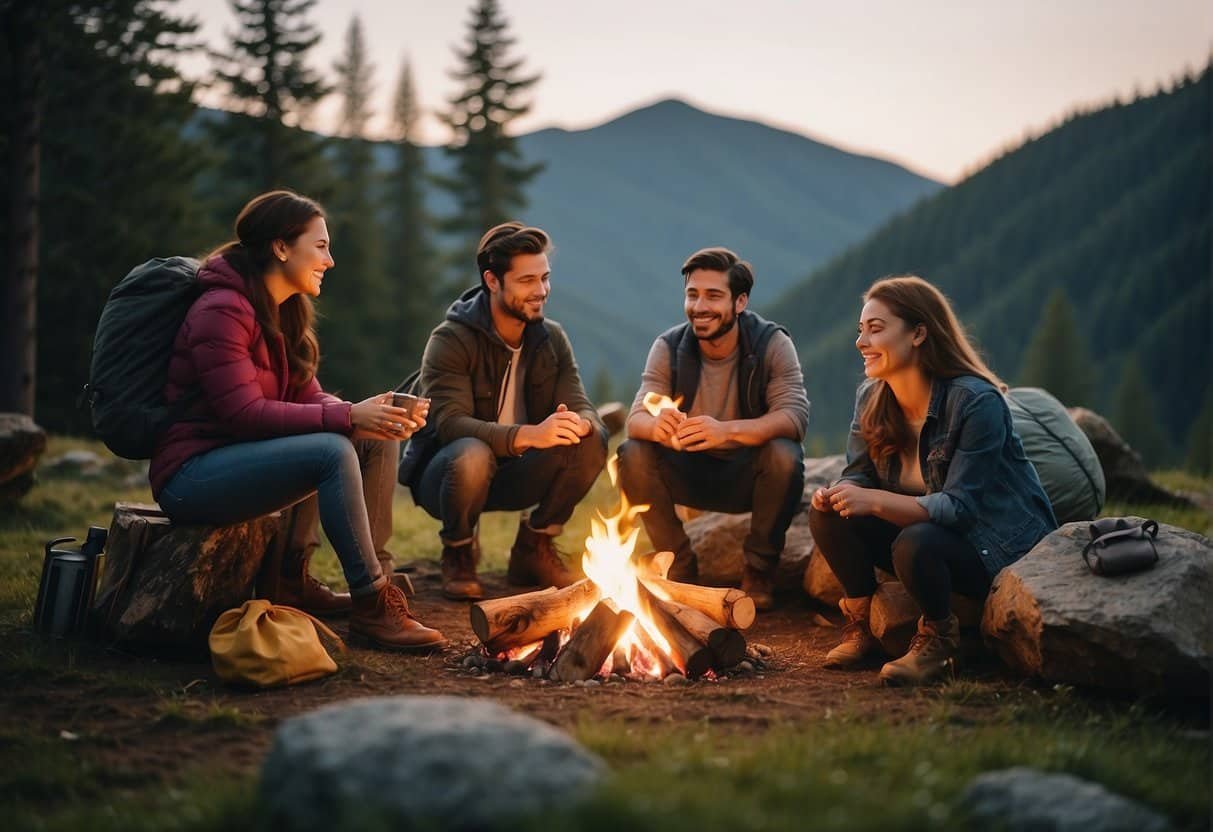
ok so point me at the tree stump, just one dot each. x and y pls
(164, 585)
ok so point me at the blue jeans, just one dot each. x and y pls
(238, 482)
(465, 478)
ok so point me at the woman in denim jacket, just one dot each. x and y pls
(937, 488)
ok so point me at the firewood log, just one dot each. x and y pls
(728, 607)
(592, 642)
(727, 644)
(501, 623)
(654, 564)
(692, 657)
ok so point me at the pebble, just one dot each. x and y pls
(537, 671)
(579, 683)
(764, 651)
(615, 677)
(745, 667)
(473, 661)
(675, 680)
(494, 665)
(592, 683)
(516, 683)
(515, 667)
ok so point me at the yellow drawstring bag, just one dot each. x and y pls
(267, 645)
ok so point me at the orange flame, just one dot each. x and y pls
(607, 562)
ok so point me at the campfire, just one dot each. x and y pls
(625, 617)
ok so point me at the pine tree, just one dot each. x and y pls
(1200, 438)
(355, 309)
(116, 175)
(416, 282)
(490, 174)
(1057, 358)
(271, 90)
(1135, 418)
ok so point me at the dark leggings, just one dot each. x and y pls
(931, 561)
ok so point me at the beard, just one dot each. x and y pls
(727, 322)
(517, 308)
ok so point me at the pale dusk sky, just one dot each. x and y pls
(937, 86)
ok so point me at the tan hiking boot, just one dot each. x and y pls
(759, 584)
(535, 561)
(858, 644)
(459, 581)
(932, 654)
(383, 619)
(297, 588)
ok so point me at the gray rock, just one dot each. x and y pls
(1147, 632)
(1026, 800)
(452, 762)
(21, 445)
(822, 471)
(1123, 469)
(718, 538)
(76, 460)
(820, 582)
(614, 416)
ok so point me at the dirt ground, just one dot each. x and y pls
(184, 716)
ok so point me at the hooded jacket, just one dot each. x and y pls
(244, 379)
(462, 372)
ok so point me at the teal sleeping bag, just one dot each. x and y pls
(1063, 457)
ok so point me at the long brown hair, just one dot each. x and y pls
(946, 353)
(276, 215)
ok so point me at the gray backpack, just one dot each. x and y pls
(1063, 457)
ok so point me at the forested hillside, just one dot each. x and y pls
(1108, 217)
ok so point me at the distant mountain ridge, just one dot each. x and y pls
(628, 200)
(1112, 205)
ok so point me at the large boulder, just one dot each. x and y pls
(820, 582)
(440, 762)
(1148, 632)
(1023, 799)
(1123, 469)
(718, 538)
(21, 444)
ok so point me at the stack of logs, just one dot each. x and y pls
(702, 625)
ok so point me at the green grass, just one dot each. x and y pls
(844, 771)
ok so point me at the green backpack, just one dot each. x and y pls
(1063, 457)
(131, 352)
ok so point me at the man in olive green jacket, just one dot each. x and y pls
(510, 425)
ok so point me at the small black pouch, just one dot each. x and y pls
(1118, 547)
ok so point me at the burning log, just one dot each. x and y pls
(692, 657)
(592, 642)
(727, 607)
(656, 655)
(654, 564)
(501, 623)
(726, 644)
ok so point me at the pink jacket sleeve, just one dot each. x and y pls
(220, 339)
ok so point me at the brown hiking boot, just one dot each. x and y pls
(685, 568)
(459, 581)
(858, 644)
(932, 654)
(759, 584)
(535, 561)
(301, 590)
(383, 619)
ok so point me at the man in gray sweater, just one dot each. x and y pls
(728, 437)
